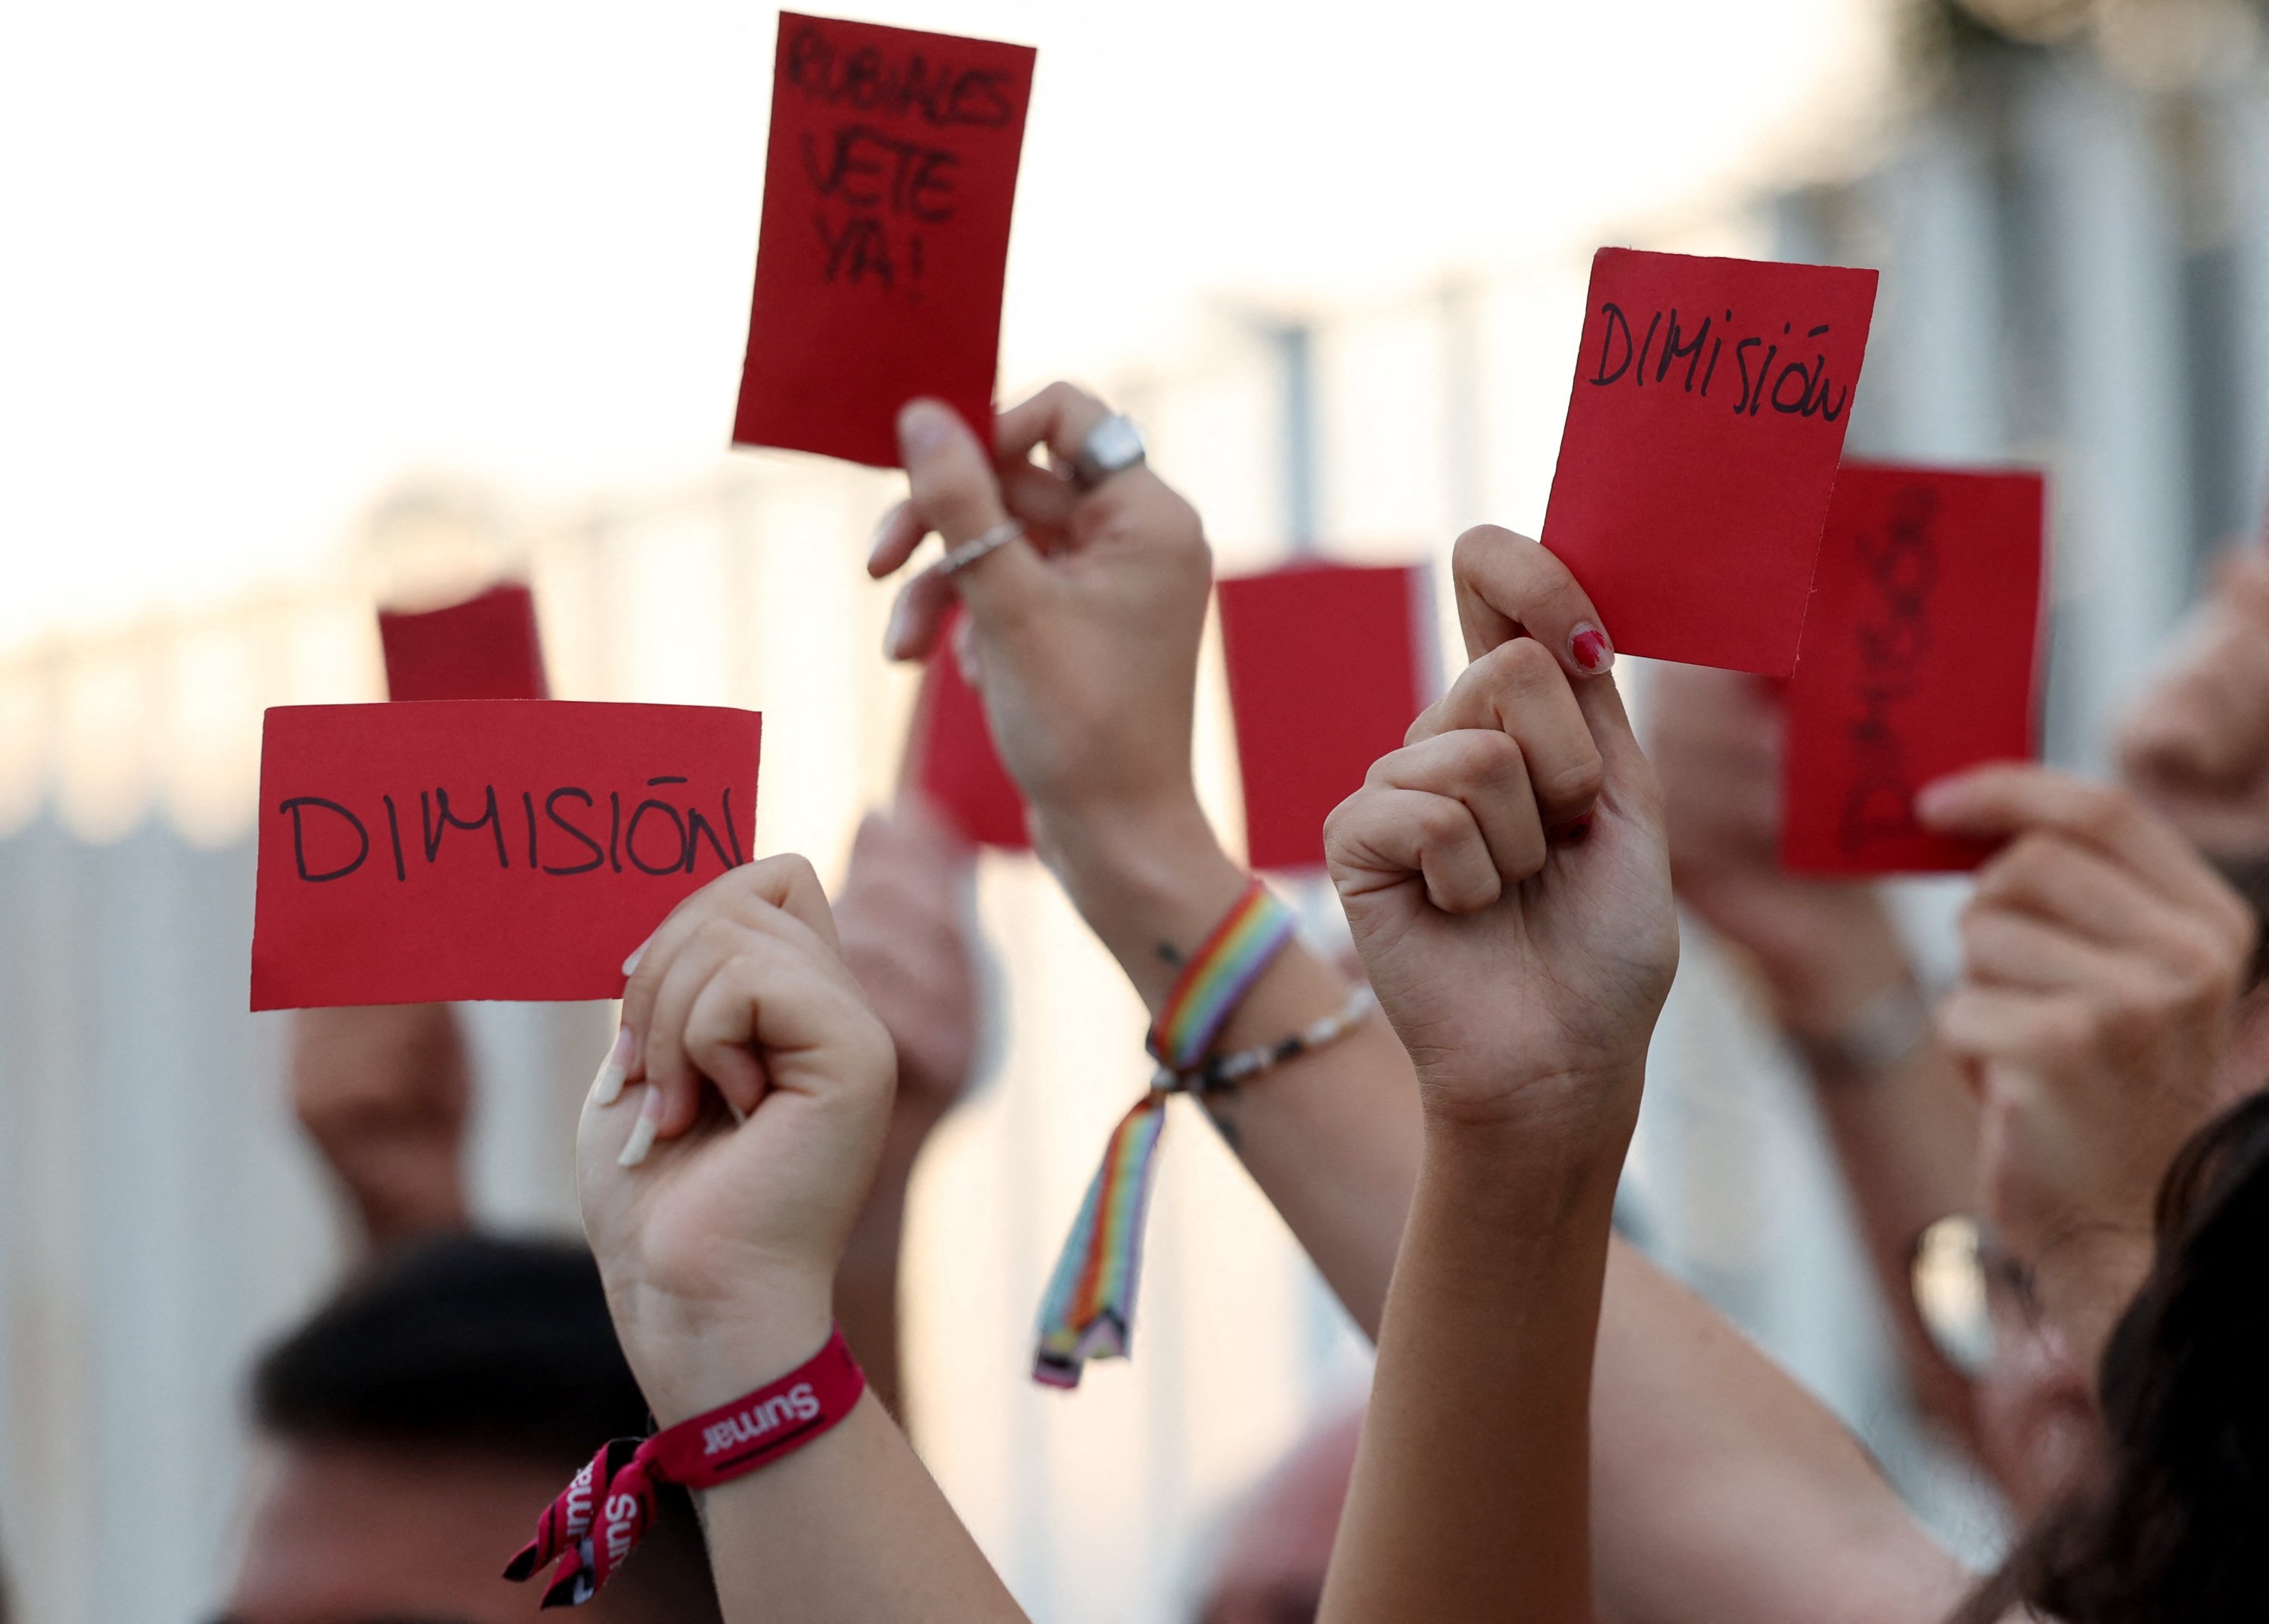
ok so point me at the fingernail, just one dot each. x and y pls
(643, 1130)
(607, 1087)
(923, 426)
(1573, 833)
(1589, 647)
(1930, 799)
(630, 964)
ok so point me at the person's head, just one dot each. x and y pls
(410, 1433)
(1270, 1569)
(2170, 1531)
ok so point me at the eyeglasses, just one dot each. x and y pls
(1969, 1291)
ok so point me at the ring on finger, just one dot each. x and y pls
(1111, 447)
(959, 559)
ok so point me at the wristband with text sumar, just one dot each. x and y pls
(599, 1519)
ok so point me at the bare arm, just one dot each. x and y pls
(720, 1247)
(383, 1092)
(1087, 655)
(1835, 976)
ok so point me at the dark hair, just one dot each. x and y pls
(481, 1346)
(2175, 1527)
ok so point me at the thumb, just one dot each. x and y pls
(1626, 775)
(958, 494)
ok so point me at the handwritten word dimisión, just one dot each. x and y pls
(1895, 639)
(558, 832)
(1655, 357)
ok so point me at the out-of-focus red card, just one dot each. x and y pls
(1920, 658)
(485, 848)
(483, 648)
(951, 759)
(887, 185)
(1326, 673)
(1707, 417)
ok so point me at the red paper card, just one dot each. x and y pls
(483, 648)
(1326, 672)
(887, 185)
(951, 759)
(485, 848)
(1918, 659)
(1704, 430)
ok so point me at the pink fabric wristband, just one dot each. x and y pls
(598, 1520)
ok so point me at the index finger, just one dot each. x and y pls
(785, 881)
(1060, 416)
(1509, 586)
(2005, 799)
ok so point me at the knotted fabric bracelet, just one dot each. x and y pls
(1089, 1310)
(599, 1519)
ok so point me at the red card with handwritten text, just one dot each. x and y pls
(1920, 659)
(1329, 666)
(953, 760)
(486, 648)
(485, 848)
(887, 185)
(1704, 430)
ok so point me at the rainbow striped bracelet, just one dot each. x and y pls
(1089, 1310)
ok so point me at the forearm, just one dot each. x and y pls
(852, 1526)
(1682, 1402)
(1722, 1490)
(866, 1280)
(380, 1090)
(1475, 1460)
(1900, 1119)
(849, 1527)
(1906, 1139)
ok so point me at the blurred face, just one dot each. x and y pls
(343, 1534)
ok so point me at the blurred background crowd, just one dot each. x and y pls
(316, 308)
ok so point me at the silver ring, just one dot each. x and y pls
(970, 552)
(1111, 447)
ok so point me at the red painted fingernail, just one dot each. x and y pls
(1590, 647)
(1573, 833)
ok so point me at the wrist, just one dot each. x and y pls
(1544, 1166)
(1517, 1116)
(1151, 882)
(689, 1357)
(1820, 991)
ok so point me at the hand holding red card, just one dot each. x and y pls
(485, 849)
(888, 181)
(1707, 415)
(486, 648)
(1919, 660)
(1326, 671)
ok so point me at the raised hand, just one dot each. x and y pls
(719, 1244)
(1084, 635)
(903, 918)
(1504, 872)
(2102, 960)
(384, 1092)
(1506, 876)
(1825, 948)
(2196, 746)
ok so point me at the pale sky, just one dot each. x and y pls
(264, 259)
